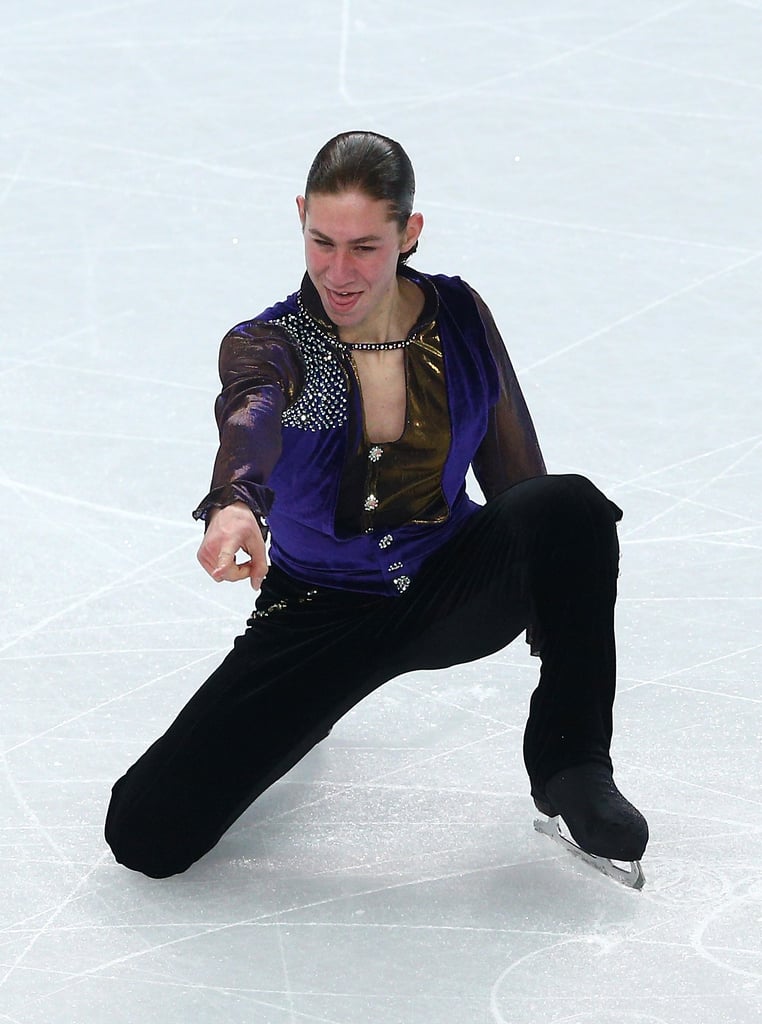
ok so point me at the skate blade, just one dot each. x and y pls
(632, 877)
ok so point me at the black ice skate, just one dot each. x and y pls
(604, 826)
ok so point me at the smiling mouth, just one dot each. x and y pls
(342, 299)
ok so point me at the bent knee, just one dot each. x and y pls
(592, 494)
(146, 840)
(571, 495)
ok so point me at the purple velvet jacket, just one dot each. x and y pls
(289, 416)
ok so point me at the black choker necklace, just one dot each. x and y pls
(376, 346)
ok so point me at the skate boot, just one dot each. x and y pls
(602, 822)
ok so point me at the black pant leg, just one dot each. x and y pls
(574, 594)
(301, 664)
(544, 553)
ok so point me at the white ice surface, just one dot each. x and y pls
(595, 170)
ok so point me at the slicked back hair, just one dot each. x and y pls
(368, 163)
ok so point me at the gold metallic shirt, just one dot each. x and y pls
(385, 484)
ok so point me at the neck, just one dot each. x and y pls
(386, 324)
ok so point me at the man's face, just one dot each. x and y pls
(351, 246)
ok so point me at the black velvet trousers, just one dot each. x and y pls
(544, 554)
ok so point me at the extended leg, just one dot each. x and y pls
(275, 695)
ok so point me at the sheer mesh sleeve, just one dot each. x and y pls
(510, 451)
(261, 374)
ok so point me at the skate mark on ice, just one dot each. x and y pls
(705, 485)
(661, 681)
(482, 86)
(357, 787)
(105, 703)
(635, 314)
(747, 904)
(92, 506)
(678, 883)
(436, 698)
(702, 75)
(93, 595)
(272, 917)
(689, 460)
(16, 363)
(73, 895)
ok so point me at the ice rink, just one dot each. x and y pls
(595, 171)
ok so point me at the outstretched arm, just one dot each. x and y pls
(261, 375)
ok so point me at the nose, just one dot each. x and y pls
(341, 268)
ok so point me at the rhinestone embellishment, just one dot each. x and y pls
(385, 541)
(377, 346)
(395, 566)
(371, 503)
(375, 453)
(322, 403)
(401, 583)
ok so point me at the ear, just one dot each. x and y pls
(301, 205)
(412, 231)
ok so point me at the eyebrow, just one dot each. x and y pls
(353, 241)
